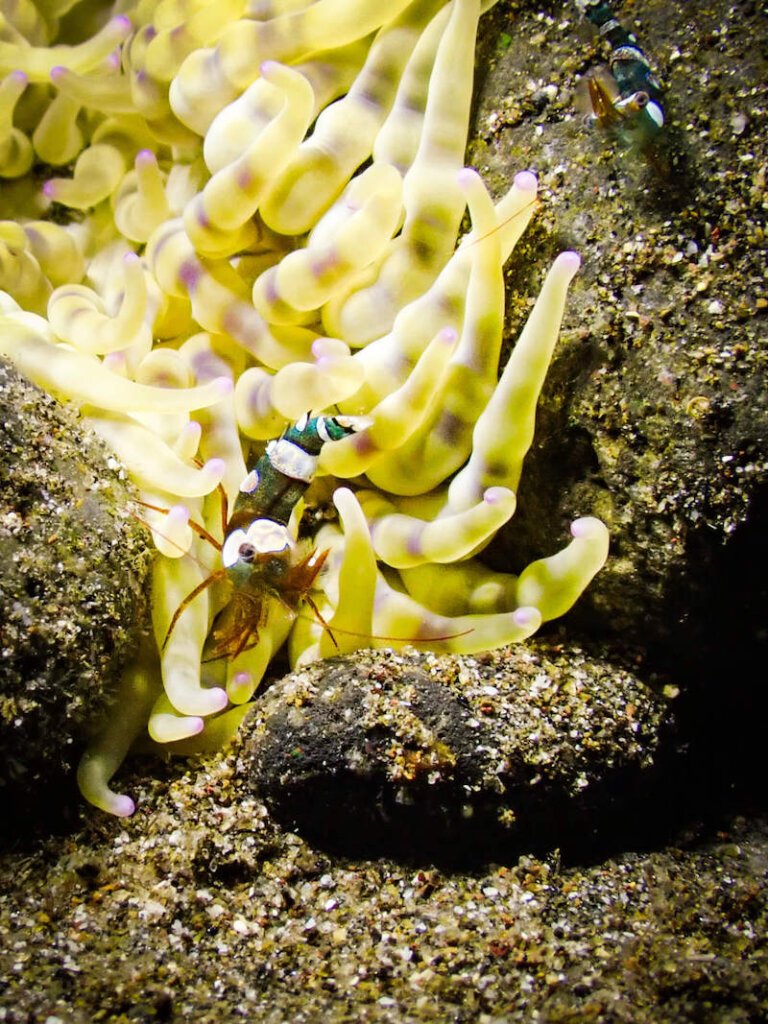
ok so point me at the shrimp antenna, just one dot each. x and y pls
(467, 244)
(377, 636)
(321, 620)
(194, 526)
(214, 577)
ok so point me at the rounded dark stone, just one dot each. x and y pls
(73, 561)
(455, 756)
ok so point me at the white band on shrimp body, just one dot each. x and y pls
(288, 458)
(322, 430)
(251, 482)
(654, 110)
(264, 535)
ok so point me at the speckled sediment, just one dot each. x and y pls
(200, 908)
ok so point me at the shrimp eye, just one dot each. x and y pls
(246, 552)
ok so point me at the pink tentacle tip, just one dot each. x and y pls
(145, 157)
(123, 806)
(215, 468)
(526, 181)
(495, 495)
(219, 701)
(178, 514)
(58, 73)
(191, 429)
(19, 76)
(587, 526)
(121, 23)
(465, 176)
(131, 257)
(570, 260)
(240, 688)
(49, 189)
(526, 616)
(448, 336)
(224, 385)
(268, 67)
(243, 678)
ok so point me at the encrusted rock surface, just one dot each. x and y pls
(426, 755)
(655, 415)
(72, 563)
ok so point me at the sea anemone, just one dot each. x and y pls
(253, 213)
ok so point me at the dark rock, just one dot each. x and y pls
(456, 757)
(655, 415)
(72, 566)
